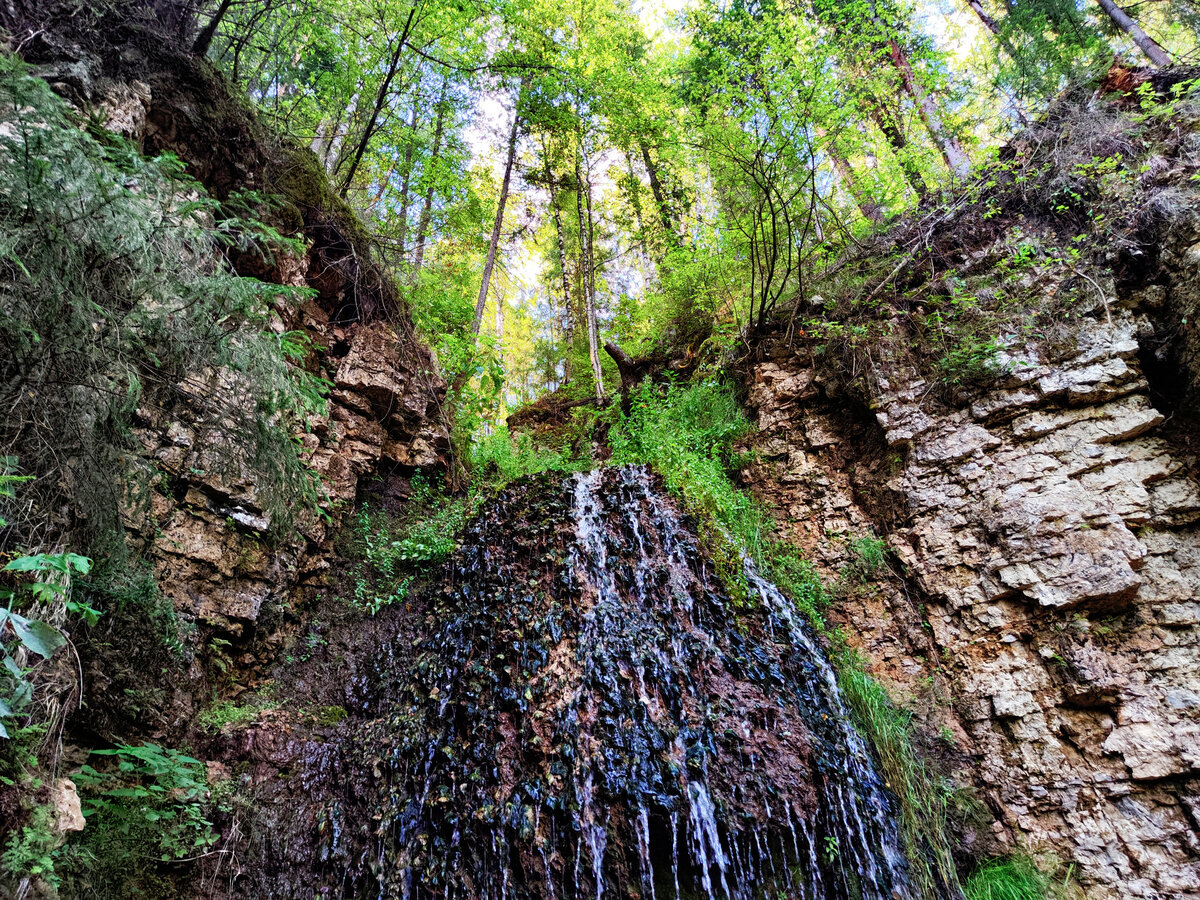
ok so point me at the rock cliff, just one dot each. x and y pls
(204, 527)
(1042, 607)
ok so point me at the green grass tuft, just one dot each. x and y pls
(925, 797)
(1012, 878)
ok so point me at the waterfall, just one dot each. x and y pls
(594, 716)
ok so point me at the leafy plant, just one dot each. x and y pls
(155, 795)
(50, 585)
(687, 434)
(500, 457)
(395, 550)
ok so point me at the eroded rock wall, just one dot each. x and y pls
(205, 525)
(1045, 612)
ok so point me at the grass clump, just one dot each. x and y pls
(1011, 878)
(926, 798)
(870, 555)
(501, 457)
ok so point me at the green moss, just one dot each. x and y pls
(301, 181)
(328, 716)
(227, 714)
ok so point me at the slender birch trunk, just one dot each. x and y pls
(1153, 50)
(490, 262)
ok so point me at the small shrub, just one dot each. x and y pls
(970, 360)
(145, 811)
(155, 797)
(393, 551)
(870, 555)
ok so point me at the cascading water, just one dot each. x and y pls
(595, 717)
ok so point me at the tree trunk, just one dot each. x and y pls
(1153, 50)
(499, 324)
(635, 201)
(331, 154)
(898, 141)
(409, 152)
(664, 210)
(1006, 45)
(587, 276)
(204, 39)
(381, 96)
(947, 143)
(988, 22)
(490, 262)
(427, 205)
(558, 230)
(994, 27)
(869, 208)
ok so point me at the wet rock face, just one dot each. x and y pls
(1049, 533)
(594, 717)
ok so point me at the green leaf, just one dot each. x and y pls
(37, 636)
(38, 562)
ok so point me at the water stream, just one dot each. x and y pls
(595, 717)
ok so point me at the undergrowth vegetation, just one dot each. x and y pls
(1039, 237)
(394, 550)
(1014, 878)
(144, 806)
(927, 799)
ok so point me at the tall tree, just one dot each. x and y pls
(587, 269)
(1153, 50)
(431, 168)
(381, 99)
(498, 225)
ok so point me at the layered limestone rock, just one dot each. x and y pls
(1049, 536)
(206, 526)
